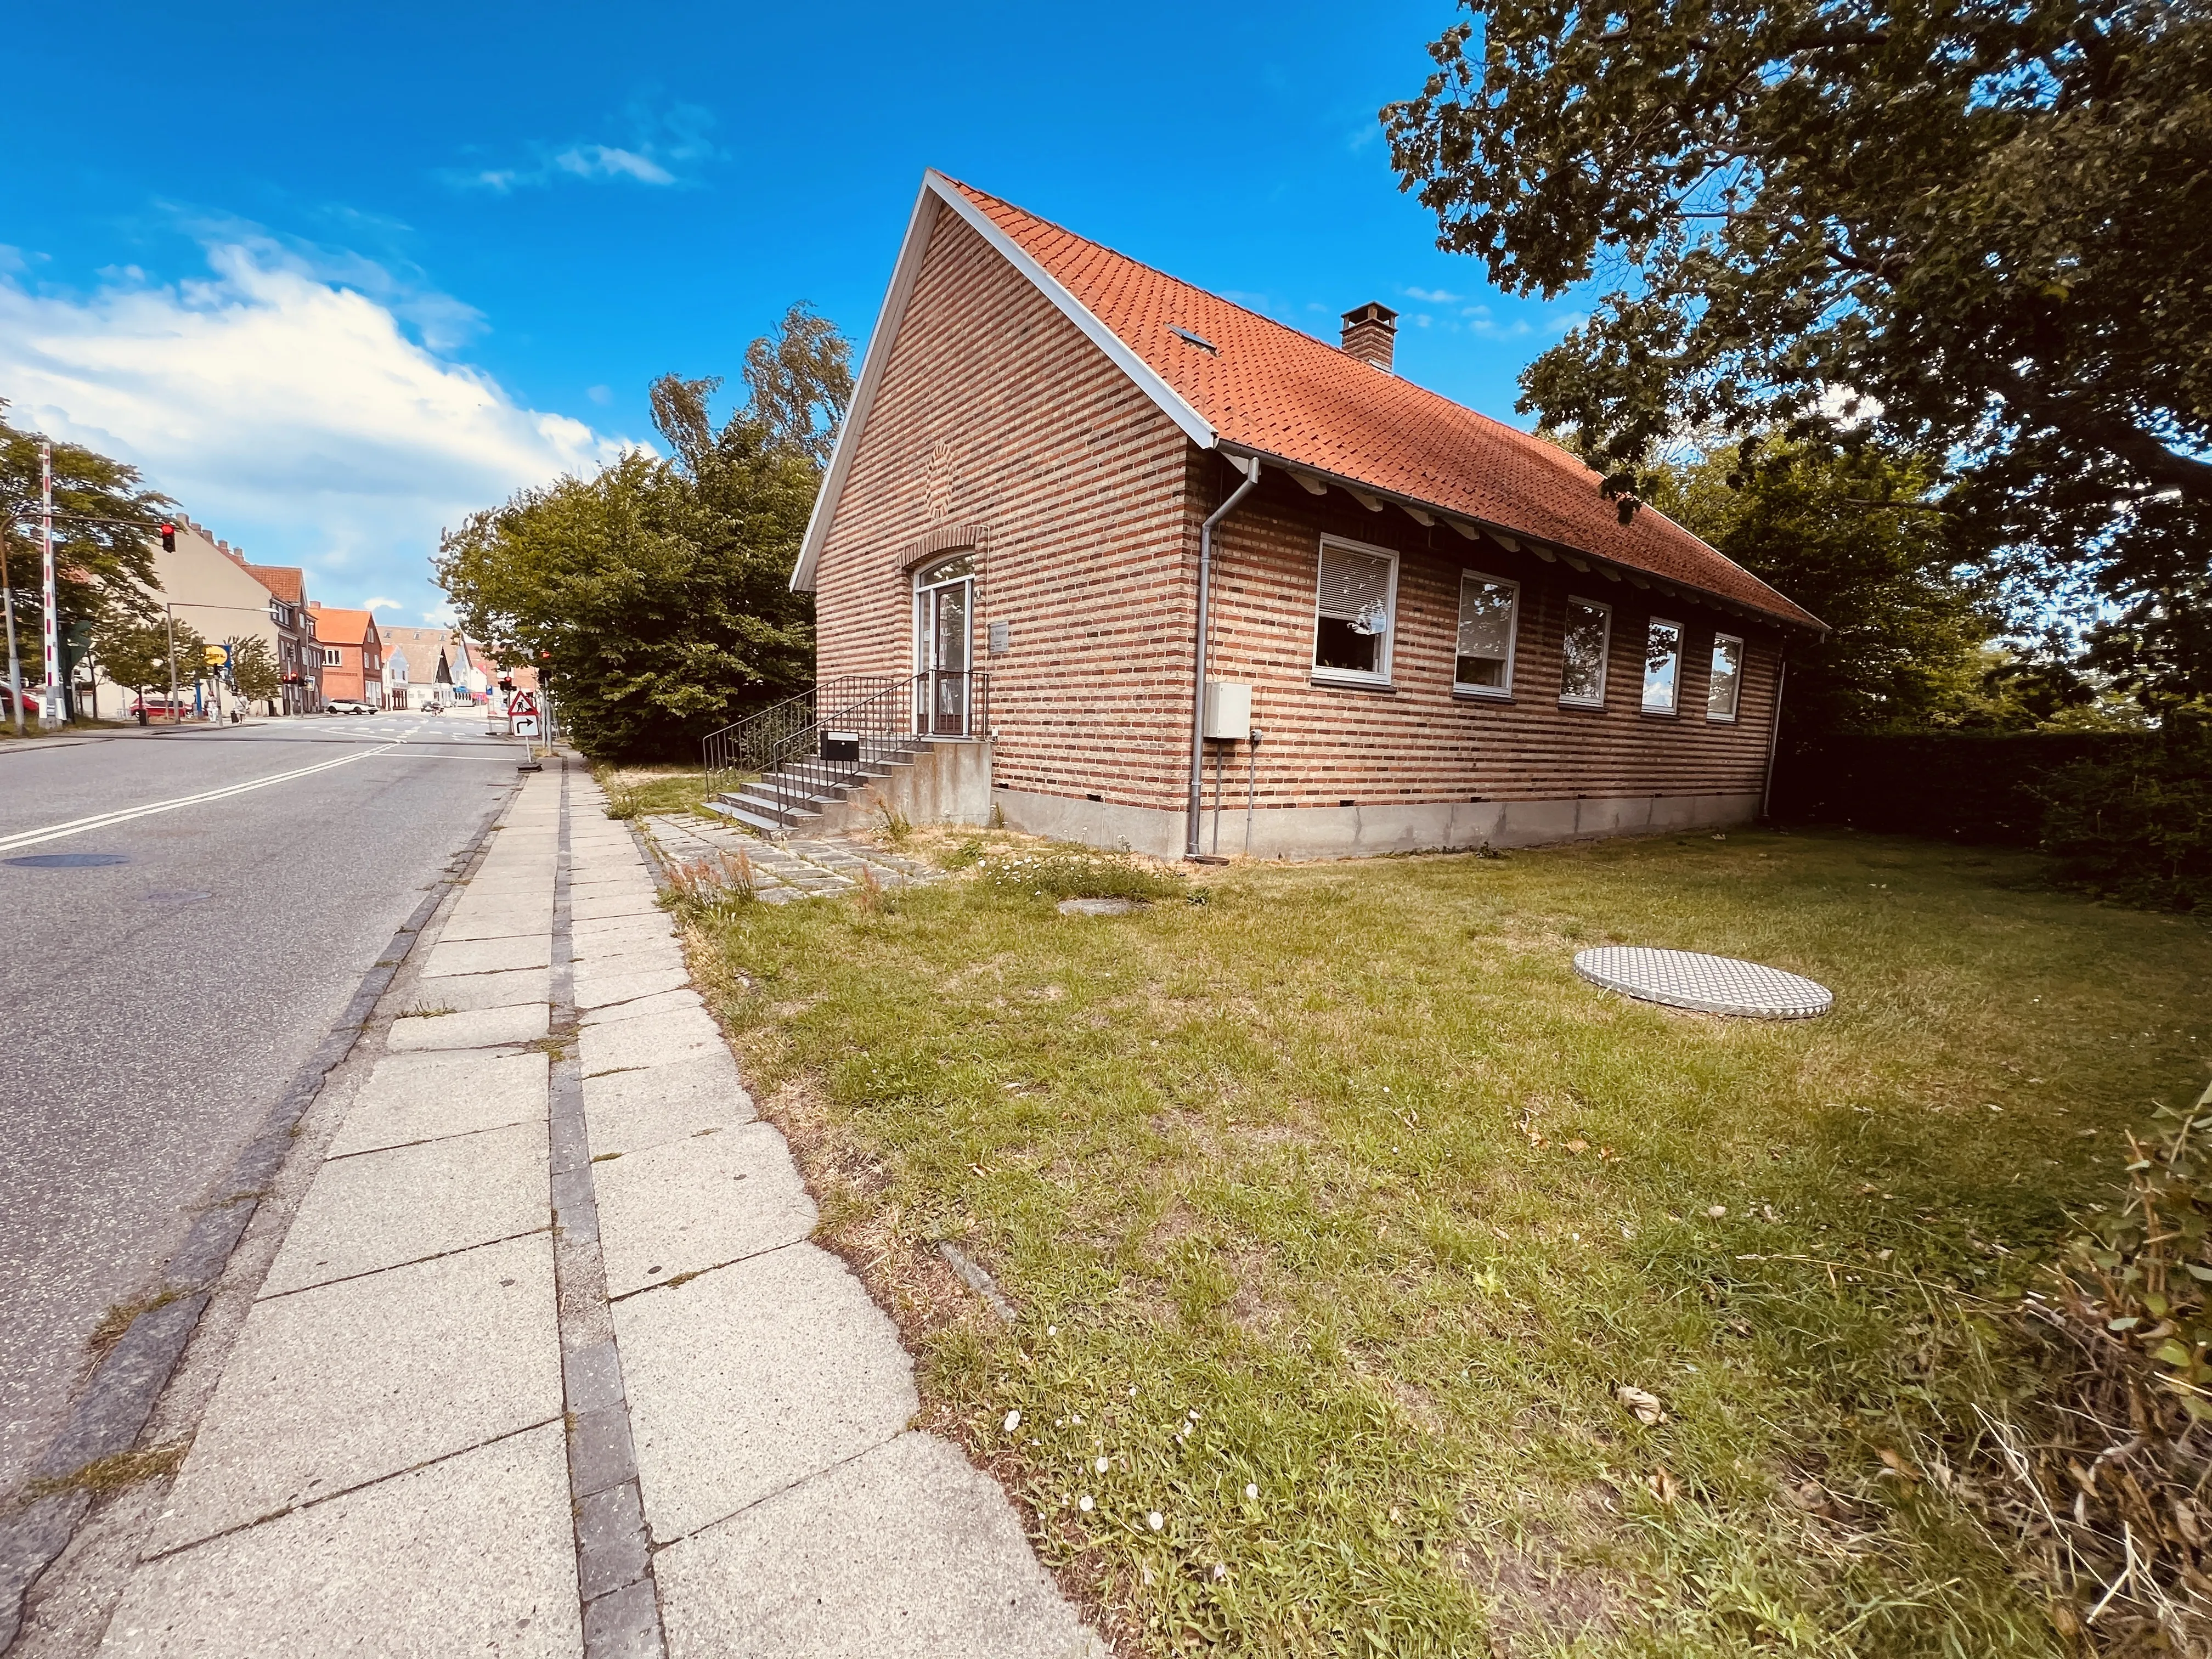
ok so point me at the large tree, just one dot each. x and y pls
(654, 596)
(1982, 228)
(104, 526)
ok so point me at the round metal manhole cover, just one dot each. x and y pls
(1708, 984)
(67, 860)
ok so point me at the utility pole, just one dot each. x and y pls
(50, 709)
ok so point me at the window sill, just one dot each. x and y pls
(1479, 694)
(1350, 682)
(1660, 714)
(1584, 704)
(1720, 719)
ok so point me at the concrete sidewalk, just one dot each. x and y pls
(546, 1365)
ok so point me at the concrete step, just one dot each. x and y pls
(761, 816)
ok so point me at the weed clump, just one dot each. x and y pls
(711, 889)
(1067, 872)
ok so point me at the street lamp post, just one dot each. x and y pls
(50, 712)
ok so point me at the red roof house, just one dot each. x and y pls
(1083, 503)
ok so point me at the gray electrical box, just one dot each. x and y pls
(1228, 711)
(1001, 638)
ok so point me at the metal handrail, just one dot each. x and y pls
(872, 718)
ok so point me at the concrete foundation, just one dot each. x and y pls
(1318, 832)
(948, 783)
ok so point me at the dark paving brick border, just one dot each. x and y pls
(110, 1414)
(614, 1567)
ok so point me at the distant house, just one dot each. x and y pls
(298, 657)
(353, 655)
(1443, 631)
(418, 665)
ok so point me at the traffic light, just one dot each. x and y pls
(168, 538)
(506, 683)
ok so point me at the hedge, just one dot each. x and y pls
(1954, 786)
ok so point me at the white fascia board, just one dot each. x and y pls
(1195, 426)
(873, 362)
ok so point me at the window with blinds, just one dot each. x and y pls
(1582, 650)
(1483, 664)
(1353, 620)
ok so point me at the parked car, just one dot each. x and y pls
(347, 705)
(157, 708)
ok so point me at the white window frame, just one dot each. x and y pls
(1674, 706)
(332, 657)
(1355, 676)
(1742, 663)
(1604, 656)
(1495, 693)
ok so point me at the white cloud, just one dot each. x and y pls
(380, 605)
(604, 160)
(1435, 296)
(662, 143)
(282, 400)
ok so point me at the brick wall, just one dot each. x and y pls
(996, 423)
(1416, 742)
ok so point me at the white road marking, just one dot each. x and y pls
(101, 820)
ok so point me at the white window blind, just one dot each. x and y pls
(1353, 630)
(1484, 661)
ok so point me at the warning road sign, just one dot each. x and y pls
(522, 715)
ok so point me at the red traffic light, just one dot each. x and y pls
(168, 538)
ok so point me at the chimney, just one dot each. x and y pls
(1369, 333)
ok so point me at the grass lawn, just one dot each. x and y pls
(635, 791)
(1336, 1211)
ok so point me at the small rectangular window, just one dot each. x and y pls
(1662, 665)
(1352, 621)
(1583, 652)
(330, 657)
(1488, 611)
(1727, 682)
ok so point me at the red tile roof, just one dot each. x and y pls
(287, 582)
(1270, 390)
(342, 627)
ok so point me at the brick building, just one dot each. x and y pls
(352, 655)
(1444, 631)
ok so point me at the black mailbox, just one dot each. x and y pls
(840, 746)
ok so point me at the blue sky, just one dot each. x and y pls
(334, 275)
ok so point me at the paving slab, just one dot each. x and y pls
(490, 956)
(654, 924)
(633, 885)
(430, 1097)
(379, 1209)
(704, 1201)
(643, 903)
(345, 1384)
(907, 1549)
(750, 1378)
(478, 1027)
(605, 990)
(462, 992)
(598, 960)
(655, 1039)
(627, 1111)
(663, 1002)
(472, 1555)
(501, 918)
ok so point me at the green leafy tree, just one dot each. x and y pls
(253, 668)
(654, 597)
(134, 653)
(104, 528)
(1854, 537)
(1982, 228)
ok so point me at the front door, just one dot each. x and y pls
(945, 597)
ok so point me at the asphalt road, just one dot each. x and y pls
(155, 1003)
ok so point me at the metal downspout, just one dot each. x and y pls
(1193, 811)
(1774, 737)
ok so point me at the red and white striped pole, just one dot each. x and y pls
(50, 712)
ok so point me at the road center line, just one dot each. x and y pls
(100, 820)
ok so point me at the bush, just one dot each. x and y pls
(2136, 827)
(1065, 874)
(1971, 786)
